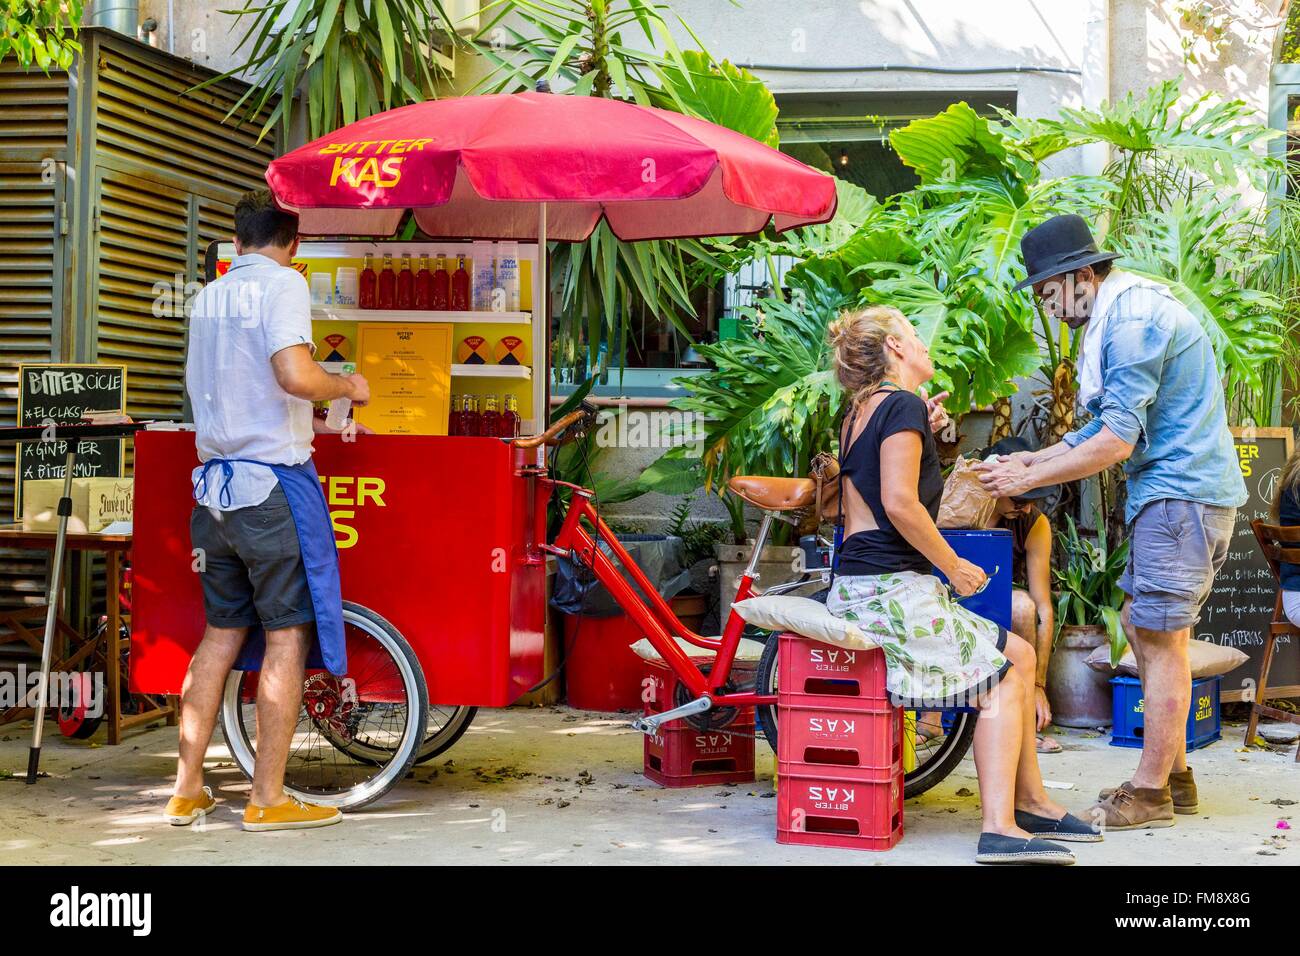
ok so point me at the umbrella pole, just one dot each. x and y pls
(542, 332)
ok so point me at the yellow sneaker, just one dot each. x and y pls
(182, 811)
(293, 814)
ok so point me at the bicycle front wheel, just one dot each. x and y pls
(379, 707)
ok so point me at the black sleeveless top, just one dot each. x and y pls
(883, 549)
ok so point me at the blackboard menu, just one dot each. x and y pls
(1241, 605)
(62, 394)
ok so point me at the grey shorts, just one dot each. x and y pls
(252, 571)
(1175, 549)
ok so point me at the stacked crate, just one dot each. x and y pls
(839, 748)
(680, 755)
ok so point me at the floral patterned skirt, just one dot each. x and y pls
(939, 654)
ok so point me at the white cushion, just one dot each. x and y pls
(803, 616)
(747, 651)
(1207, 659)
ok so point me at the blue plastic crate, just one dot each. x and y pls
(991, 550)
(1203, 725)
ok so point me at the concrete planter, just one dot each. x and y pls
(776, 565)
(1080, 696)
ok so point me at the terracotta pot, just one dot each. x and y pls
(1080, 696)
(690, 609)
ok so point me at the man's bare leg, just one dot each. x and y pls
(279, 700)
(1167, 695)
(1138, 645)
(205, 681)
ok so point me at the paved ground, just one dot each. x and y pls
(559, 786)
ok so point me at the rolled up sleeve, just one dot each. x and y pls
(1081, 435)
(1133, 358)
(288, 315)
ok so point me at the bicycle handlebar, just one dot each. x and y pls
(584, 416)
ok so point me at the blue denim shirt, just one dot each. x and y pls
(1161, 392)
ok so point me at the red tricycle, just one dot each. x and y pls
(438, 625)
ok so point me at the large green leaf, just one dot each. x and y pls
(722, 93)
(956, 142)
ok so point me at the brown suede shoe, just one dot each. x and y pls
(1132, 808)
(1182, 787)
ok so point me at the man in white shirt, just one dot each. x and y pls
(259, 527)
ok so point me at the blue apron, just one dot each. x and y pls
(320, 559)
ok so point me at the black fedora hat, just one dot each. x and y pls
(1009, 446)
(1059, 245)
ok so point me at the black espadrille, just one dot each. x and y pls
(996, 848)
(1068, 829)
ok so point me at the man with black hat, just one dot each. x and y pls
(1149, 377)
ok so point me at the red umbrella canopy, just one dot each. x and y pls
(478, 166)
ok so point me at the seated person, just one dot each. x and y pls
(1031, 578)
(1286, 512)
(938, 653)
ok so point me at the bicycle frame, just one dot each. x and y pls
(653, 615)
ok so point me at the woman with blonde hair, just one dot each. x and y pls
(1286, 511)
(939, 653)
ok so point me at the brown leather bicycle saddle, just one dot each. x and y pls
(774, 494)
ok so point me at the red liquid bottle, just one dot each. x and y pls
(490, 424)
(469, 419)
(366, 285)
(387, 297)
(441, 286)
(460, 287)
(453, 417)
(424, 286)
(406, 284)
(510, 419)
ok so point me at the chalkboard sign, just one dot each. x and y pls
(1241, 606)
(62, 394)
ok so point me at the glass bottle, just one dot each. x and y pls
(424, 286)
(387, 296)
(441, 295)
(460, 287)
(366, 285)
(470, 416)
(406, 284)
(510, 418)
(490, 424)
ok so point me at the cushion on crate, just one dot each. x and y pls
(802, 616)
(1208, 660)
(748, 650)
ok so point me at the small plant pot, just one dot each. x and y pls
(1079, 695)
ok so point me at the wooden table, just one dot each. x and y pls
(27, 624)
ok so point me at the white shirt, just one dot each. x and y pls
(237, 323)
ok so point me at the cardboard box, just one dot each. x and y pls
(41, 504)
(108, 500)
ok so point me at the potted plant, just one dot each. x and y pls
(1087, 617)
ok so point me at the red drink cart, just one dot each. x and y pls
(441, 537)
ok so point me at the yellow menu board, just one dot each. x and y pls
(409, 371)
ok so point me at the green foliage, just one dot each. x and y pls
(1087, 583)
(356, 57)
(770, 402)
(34, 32)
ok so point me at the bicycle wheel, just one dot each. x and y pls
(935, 758)
(445, 726)
(379, 706)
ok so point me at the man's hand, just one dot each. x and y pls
(1042, 709)
(1007, 477)
(358, 389)
(939, 418)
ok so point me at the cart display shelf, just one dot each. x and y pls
(339, 314)
(491, 371)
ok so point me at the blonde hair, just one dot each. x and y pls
(1290, 479)
(858, 337)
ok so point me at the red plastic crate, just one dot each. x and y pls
(863, 740)
(682, 756)
(811, 671)
(822, 809)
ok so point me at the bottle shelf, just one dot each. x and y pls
(340, 314)
(491, 371)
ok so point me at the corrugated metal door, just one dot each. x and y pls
(32, 223)
(144, 253)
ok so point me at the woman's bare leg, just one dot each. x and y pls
(1030, 793)
(998, 734)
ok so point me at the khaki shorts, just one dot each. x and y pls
(1175, 549)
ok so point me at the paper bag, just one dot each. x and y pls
(965, 504)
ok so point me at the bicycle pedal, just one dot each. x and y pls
(650, 723)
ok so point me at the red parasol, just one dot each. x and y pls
(537, 166)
